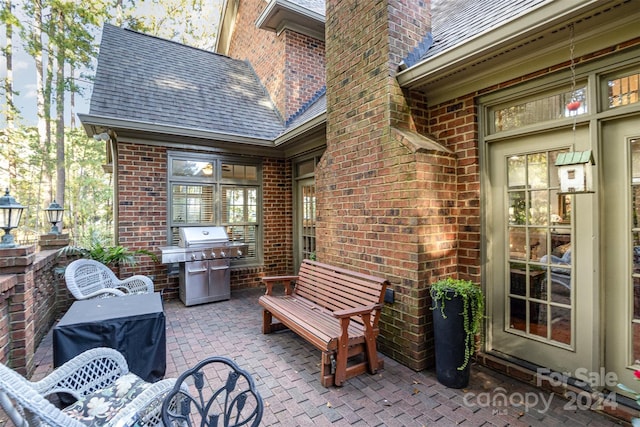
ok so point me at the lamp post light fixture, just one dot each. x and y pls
(10, 213)
(54, 215)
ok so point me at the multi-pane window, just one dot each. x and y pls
(240, 214)
(538, 110)
(207, 190)
(623, 90)
(541, 297)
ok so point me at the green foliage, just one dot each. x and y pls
(445, 290)
(99, 250)
(635, 422)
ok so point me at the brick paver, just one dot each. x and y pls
(286, 370)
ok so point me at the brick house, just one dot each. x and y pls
(414, 140)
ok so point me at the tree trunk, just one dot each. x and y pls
(8, 147)
(60, 85)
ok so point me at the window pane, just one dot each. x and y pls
(192, 168)
(540, 110)
(539, 288)
(192, 204)
(239, 172)
(240, 205)
(623, 90)
(306, 168)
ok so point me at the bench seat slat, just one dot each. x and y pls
(320, 290)
(299, 314)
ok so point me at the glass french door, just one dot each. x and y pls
(621, 243)
(540, 298)
(306, 219)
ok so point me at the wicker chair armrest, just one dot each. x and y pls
(137, 284)
(89, 371)
(146, 408)
(32, 408)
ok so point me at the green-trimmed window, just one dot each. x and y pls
(212, 190)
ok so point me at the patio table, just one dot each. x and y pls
(133, 325)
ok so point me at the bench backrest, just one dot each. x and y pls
(336, 288)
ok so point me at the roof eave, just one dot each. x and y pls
(301, 130)
(96, 124)
(485, 44)
(283, 14)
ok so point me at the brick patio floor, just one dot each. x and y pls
(286, 370)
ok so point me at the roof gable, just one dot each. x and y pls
(146, 79)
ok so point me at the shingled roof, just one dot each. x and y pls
(455, 22)
(146, 79)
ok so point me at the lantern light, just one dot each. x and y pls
(10, 213)
(54, 215)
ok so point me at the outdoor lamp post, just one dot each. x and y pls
(54, 215)
(10, 213)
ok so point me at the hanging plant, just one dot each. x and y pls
(473, 300)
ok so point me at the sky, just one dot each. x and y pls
(25, 76)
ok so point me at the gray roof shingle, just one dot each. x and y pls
(152, 80)
(456, 21)
(317, 6)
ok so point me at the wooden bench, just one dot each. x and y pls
(334, 309)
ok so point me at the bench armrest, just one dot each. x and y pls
(286, 280)
(356, 311)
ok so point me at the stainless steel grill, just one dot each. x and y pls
(203, 255)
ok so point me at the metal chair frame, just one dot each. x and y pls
(177, 406)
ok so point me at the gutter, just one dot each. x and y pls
(288, 6)
(115, 123)
(310, 125)
(482, 45)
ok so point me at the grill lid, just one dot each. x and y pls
(202, 236)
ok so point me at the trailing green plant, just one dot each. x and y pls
(473, 300)
(108, 255)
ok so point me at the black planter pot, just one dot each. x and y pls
(450, 337)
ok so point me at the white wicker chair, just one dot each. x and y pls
(87, 278)
(99, 378)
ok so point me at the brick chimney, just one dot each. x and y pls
(385, 194)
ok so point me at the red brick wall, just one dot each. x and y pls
(142, 206)
(278, 216)
(290, 65)
(455, 124)
(385, 206)
(304, 70)
(7, 288)
(142, 183)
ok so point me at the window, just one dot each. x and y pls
(240, 214)
(623, 90)
(210, 190)
(539, 110)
